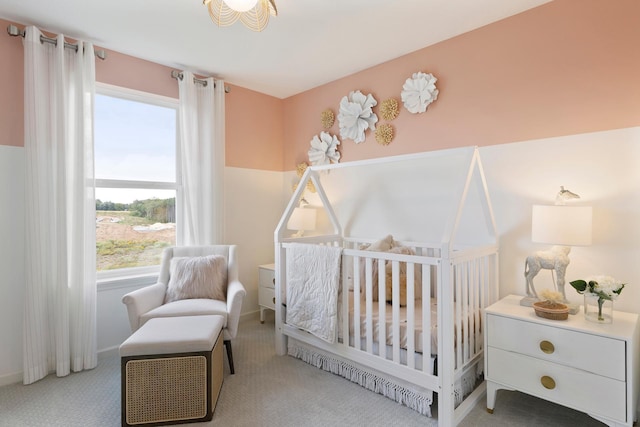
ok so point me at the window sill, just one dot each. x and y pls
(138, 280)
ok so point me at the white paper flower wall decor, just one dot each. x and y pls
(356, 116)
(324, 149)
(418, 92)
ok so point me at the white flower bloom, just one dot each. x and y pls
(324, 149)
(605, 285)
(419, 91)
(356, 116)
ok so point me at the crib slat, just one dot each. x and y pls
(411, 317)
(395, 309)
(472, 308)
(346, 294)
(426, 319)
(356, 306)
(464, 323)
(368, 312)
(476, 306)
(483, 286)
(382, 311)
(457, 315)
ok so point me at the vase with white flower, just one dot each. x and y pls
(599, 293)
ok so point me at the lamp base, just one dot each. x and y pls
(528, 301)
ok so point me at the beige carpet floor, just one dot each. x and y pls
(267, 390)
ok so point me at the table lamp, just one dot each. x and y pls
(562, 226)
(302, 219)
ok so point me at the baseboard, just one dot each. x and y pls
(108, 352)
(252, 315)
(8, 379)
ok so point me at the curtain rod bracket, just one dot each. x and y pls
(14, 31)
(178, 76)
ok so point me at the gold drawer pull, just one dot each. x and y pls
(274, 300)
(547, 347)
(548, 382)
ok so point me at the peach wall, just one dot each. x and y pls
(567, 67)
(11, 90)
(134, 73)
(254, 135)
(254, 130)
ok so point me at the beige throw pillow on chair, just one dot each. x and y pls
(197, 277)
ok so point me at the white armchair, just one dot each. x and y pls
(148, 302)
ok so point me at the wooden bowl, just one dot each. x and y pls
(551, 310)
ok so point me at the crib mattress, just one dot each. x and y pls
(388, 315)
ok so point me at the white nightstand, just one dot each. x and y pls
(266, 288)
(592, 368)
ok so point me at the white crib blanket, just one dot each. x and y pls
(313, 278)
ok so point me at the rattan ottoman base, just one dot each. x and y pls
(164, 389)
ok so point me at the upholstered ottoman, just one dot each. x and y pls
(172, 370)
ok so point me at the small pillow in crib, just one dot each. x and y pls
(382, 245)
(197, 277)
(417, 277)
(388, 290)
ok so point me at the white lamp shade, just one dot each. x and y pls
(561, 225)
(302, 219)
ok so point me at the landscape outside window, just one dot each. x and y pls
(135, 170)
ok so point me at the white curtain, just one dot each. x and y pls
(60, 288)
(201, 113)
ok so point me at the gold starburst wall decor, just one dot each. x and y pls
(300, 168)
(384, 134)
(327, 118)
(389, 109)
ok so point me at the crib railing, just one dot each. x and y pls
(448, 292)
(367, 304)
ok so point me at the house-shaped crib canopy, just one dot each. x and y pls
(439, 197)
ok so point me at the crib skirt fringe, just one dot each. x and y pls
(419, 402)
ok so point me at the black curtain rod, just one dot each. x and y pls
(179, 76)
(17, 32)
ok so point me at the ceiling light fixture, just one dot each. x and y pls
(254, 14)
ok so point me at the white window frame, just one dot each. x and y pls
(139, 275)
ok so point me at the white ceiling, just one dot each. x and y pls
(310, 42)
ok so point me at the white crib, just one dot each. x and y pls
(434, 343)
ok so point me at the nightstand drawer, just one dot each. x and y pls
(600, 355)
(567, 386)
(266, 278)
(267, 297)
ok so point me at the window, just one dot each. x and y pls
(135, 154)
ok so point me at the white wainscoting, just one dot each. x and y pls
(11, 262)
(603, 167)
